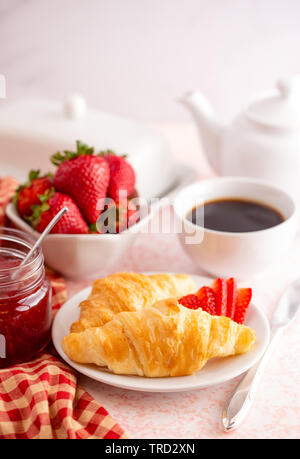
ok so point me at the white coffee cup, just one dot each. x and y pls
(241, 254)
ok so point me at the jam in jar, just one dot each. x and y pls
(25, 299)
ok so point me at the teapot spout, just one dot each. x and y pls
(209, 128)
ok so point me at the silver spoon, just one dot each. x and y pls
(44, 234)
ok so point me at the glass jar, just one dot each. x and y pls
(25, 299)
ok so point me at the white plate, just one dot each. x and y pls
(215, 371)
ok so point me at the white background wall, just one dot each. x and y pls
(134, 57)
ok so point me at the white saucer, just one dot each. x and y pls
(215, 371)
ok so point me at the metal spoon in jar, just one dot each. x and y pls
(44, 234)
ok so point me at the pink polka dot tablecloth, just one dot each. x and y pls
(197, 414)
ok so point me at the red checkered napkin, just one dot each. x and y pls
(41, 399)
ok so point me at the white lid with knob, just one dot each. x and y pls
(75, 107)
(281, 108)
(31, 130)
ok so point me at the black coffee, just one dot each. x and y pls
(235, 216)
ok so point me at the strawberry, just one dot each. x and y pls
(208, 300)
(71, 223)
(244, 296)
(190, 301)
(134, 194)
(231, 297)
(222, 299)
(117, 216)
(28, 195)
(220, 289)
(122, 175)
(84, 177)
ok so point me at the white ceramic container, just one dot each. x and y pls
(30, 131)
(85, 257)
(227, 254)
(82, 256)
(263, 140)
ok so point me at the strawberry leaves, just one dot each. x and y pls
(32, 192)
(38, 209)
(111, 153)
(82, 149)
(48, 193)
(33, 174)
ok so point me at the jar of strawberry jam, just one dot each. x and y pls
(25, 299)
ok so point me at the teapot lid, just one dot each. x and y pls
(281, 108)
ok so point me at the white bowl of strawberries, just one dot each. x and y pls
(103, 218)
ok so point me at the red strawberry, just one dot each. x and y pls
(122, 175)
(231, 297)
(208, 300)
(134, 194)
(71, 223)
(190, 301)
(244, 296)
(117, 216)
(84, 177)
(220, 289)
(28, 195)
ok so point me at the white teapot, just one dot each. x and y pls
(263, 141)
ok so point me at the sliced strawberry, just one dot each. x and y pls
(190, 301)
(231, 297)
(208, 300)
(220, 289)
(244, 296)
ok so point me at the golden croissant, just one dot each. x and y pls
(128, 292)
(165, 339)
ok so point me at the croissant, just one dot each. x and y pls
(165, 339)
(128, 292)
